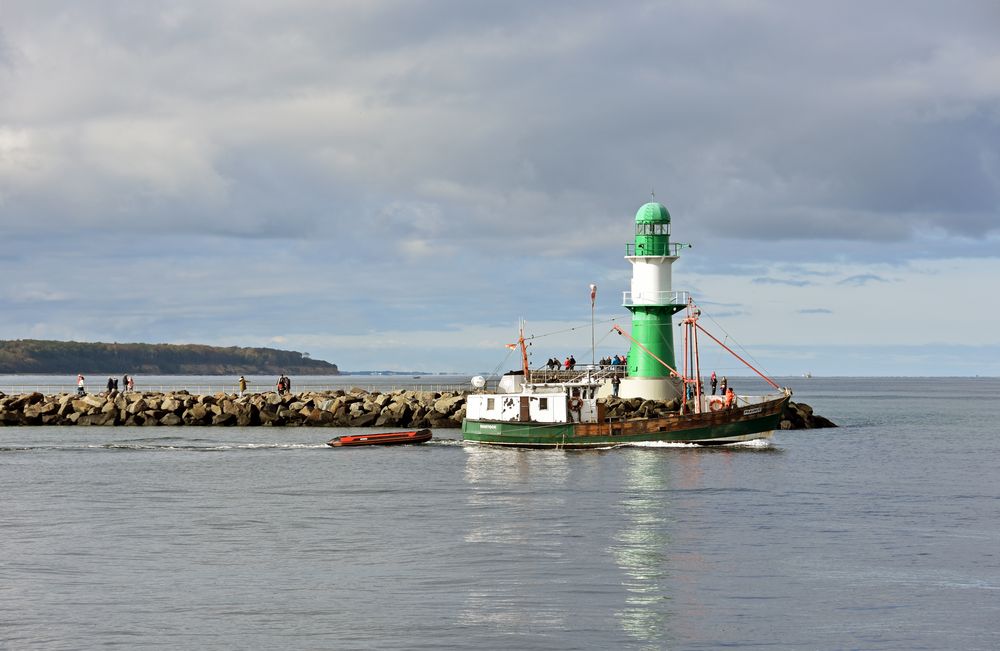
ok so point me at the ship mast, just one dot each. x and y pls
(692, 362)
(524, 353)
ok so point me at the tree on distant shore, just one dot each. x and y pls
(42, 356)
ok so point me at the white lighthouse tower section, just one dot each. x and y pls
(651, 280)
(651, 285)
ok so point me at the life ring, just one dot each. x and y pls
(575, 404)
(715, 404)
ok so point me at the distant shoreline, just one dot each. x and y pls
(40, 356)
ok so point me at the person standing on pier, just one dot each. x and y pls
(714, 381)
(125, 382)
(131, 384)
(616, 382)
(243, 386)
(80, 390)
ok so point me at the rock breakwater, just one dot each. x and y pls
(352, 408)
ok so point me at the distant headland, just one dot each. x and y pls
(37, 356)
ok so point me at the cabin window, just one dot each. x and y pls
(490, 404)
(543, 404)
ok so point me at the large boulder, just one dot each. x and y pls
(197, 414)
(449, 404)
(365, 419)
(171, 420)
(11, 417)
(137, 406)
(224, 419)
(319, 418)
(98, 418)
(798, 415)
(34, 398)
(94, 401)
(398, 413)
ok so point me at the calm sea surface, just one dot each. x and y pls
(882, 534)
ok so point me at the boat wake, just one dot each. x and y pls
(445, 443)
(755, 443)
(659, 444)
(224, 447)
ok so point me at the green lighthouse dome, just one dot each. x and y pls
(652, 213)
(652, 230)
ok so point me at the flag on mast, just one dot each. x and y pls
(593, 294)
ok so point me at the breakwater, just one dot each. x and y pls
(351, 408)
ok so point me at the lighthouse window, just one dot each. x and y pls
(652, 229)
(543, 404)
(490, 404)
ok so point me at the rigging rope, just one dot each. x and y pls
(559, 332)
(736, 343)
(496, 369)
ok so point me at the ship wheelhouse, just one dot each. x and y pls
(539, 403)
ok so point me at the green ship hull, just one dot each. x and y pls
(712, 428)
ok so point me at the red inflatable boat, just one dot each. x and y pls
(385, 438)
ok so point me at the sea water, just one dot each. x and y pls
(881, 534)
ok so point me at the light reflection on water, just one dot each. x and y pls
(640, 549)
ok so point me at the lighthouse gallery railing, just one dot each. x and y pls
(655, 298)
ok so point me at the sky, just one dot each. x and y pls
(395, 184)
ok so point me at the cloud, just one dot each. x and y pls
(293, 109)
(726, 314)
(862, 279)
(815, 310)
(781, 281)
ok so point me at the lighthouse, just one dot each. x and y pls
(652, 303)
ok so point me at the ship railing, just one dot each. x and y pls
(581, 373)
(741, 400)
(656, 298)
